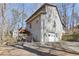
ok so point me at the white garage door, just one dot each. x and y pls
(52, 37)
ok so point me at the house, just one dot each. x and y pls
(45, 24)
(24, 35)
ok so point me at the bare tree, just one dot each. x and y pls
(7, 27)
(3, 16)
(64, 15)
(17, 15)
(74, 14)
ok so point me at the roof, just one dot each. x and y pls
(24, 31)
(41, 8)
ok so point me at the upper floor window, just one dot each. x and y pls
(37, 21)
(54, 25)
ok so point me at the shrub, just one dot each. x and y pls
(71, 37)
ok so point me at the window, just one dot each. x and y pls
(30, 26)
(49, 17)
(54, 25)
(37, 21)
(48, 20)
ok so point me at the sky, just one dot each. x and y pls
(30, 8)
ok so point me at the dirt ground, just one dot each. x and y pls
(29, 50)
(12, 51)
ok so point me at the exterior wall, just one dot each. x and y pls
(46, 23)
(36, 29)
(52, 19)
(28, 27)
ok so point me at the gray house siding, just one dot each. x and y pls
(36, 29)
